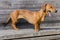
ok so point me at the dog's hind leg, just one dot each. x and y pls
(14, 26)
(13, 23)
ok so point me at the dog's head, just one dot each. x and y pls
(49, 8)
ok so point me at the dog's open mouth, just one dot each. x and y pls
(49, 14)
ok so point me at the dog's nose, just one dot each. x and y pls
(55, 11)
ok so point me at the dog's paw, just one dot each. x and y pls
(16, 28)
(37, 30)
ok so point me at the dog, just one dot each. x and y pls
(33, 17)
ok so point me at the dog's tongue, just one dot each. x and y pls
(49, 14)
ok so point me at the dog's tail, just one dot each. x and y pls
(8, 21)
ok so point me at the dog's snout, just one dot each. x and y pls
(55, 11)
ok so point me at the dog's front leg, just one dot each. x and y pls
(42, 19)
(37, 27)
(14, 26)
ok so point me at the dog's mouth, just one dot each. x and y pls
(49, 14)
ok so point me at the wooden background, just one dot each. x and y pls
(50, 26)
(7, 6)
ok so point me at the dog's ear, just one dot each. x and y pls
(44, 6)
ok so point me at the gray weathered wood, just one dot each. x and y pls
(11, 34)
(50, 26)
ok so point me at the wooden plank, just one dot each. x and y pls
(25, 4)
(56, 37)
(11, 34)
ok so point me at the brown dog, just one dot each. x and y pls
(34, 18)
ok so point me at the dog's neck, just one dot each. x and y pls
(43, 11)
